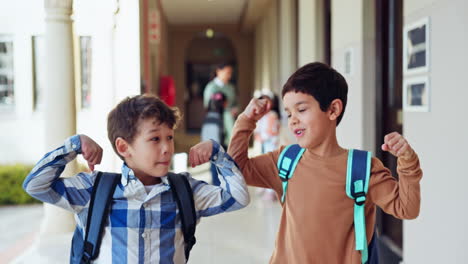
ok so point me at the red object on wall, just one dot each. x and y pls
(167, 90)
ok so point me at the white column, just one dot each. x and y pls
(310, 31)
(287, 55)
(60, 110)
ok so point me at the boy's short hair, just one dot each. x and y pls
(322, 82)
(124, 119)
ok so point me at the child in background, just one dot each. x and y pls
(267, 133)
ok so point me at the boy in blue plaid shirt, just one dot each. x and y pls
(143, 225)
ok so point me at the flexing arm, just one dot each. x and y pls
(231, 195)
(258, 171)
(73, 193)
(400, 198)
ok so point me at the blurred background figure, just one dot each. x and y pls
(220, 83)
(267, 133)
(213, 126)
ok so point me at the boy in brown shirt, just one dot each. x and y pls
(317, 218)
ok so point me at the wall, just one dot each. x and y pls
(352, 31)
(440, 233)
(267, 59)
(115, 73)
(310, 31)
(17, 141)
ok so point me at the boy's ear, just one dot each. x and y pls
(335, 109)
(122, 147)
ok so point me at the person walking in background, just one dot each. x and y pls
(267, 133)
(213, 126)
(220, 83)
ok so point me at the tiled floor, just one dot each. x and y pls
(246, 236)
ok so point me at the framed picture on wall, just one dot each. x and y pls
(416, 47)
(416, 94)
(349, 62)
(39, 78)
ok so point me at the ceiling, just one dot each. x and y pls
(179, 12)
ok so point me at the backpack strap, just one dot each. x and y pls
(182, 192)
(357, 185)
(101, 197)
(287, 163)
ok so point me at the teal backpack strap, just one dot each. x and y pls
(287, 163)
(357, 185)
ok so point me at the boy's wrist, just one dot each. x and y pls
(409, 155)
(215, 150)
(73, 143)
(244, 116)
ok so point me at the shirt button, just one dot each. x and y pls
(74, 146)
(143, 235)
(145, 205)
(215, 157)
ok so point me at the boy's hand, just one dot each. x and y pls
(91, 151)
(200, 153)
(257, 108)
(397, 145)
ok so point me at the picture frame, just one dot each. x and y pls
(39, 77)
(416, 94)
(416, 47)
(349, 62)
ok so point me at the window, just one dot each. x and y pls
(39, 60)
(85, 69)
(7, 85)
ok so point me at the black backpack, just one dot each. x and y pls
(84, 251)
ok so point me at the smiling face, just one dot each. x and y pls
(150, 153)
(308, 123)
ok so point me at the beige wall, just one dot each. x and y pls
(267, 50)
(310, 31)
(287, 39)
(352, 31)
(440, 233)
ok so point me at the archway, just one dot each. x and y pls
(203, 53)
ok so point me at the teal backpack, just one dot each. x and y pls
(357, 185)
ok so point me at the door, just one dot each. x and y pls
(389, 27)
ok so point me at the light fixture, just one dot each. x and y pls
(209, 33)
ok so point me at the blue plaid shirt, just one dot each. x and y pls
(142, 227)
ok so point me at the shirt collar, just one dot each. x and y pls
(127, 174)
(219, 82)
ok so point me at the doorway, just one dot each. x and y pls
(389, 28)
(203, 54)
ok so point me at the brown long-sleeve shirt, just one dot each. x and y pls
(317, 217)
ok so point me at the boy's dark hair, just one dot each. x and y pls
(124, 119)
(220, 66)
(322, 82)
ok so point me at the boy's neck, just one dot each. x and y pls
(327, 148)
(149, 180)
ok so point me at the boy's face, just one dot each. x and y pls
(150, 153)
(308, 123)
(224, 74)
